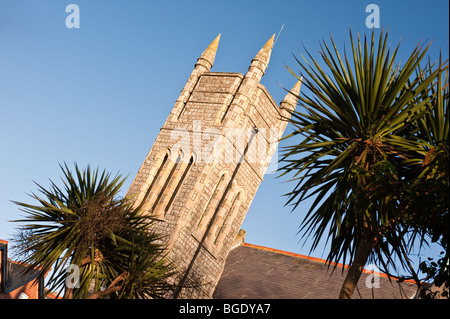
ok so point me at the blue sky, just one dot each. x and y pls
(99, 94)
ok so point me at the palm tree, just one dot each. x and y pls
(88, 225)
(427, 195)
(359, 143)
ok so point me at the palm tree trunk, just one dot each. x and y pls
(365, 246)
(111, 288)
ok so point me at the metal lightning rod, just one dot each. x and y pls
(278, 34)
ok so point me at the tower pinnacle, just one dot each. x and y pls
(262, 58)
(291, 98)
(208, 56)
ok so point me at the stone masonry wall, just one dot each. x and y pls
(200, 200)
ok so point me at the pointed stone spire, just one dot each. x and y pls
(264, 54)
(291, 98)
(208, 56)
(261, 60)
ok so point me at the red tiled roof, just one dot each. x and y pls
(17, 277)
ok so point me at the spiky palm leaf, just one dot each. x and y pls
(427, 195)
(358, 131)
(87, 224)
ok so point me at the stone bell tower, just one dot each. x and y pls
(206, 164)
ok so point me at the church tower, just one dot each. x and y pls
(206, 164)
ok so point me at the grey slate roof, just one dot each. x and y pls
(255, 272)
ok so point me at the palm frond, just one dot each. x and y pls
(358, 127)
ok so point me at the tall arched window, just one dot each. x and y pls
(180, 182)
(226, 219)
(213, 197)
(151, 181)
(164, 187)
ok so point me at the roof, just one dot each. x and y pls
(19, 275)
(14, 275)
(256, 272)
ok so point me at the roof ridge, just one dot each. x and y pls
(320, 260)
(284, 252)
